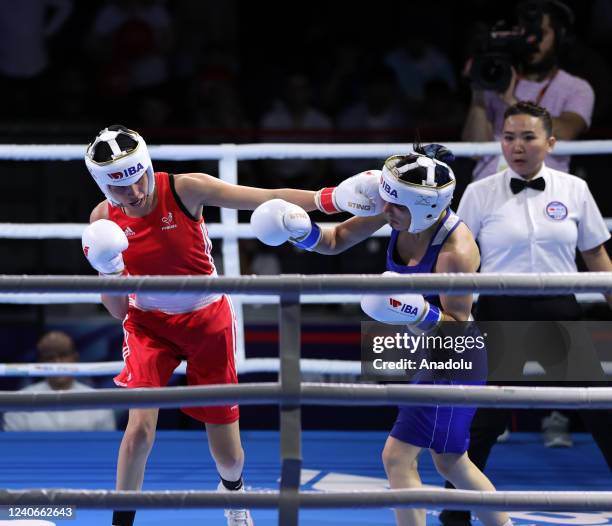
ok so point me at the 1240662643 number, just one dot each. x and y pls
(38, 512)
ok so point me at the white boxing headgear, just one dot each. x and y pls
(422, 184)
(125, 167)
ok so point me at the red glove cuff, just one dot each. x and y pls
(324, 200)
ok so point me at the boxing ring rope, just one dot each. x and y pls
(41, 287)
(290, 393)
(309, 393)
(244, 152)
(296, 284)
(252, 365)
(405, 498)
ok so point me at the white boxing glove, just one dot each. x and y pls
(411, 309)
(277, 221)
(357, 194)
(103, 242)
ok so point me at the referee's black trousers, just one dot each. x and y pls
(489, 423)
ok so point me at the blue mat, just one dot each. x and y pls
(332, 461)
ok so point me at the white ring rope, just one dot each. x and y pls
(445, 283)
(319, 299)
(402, 498)
(250, 365)
(340, 284)
(75, 230)
(314, 394)
(553, 283)
(215, 230)
(32, 289)
(191, 152)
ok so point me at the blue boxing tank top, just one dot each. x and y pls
(428, 262)
(477, 375)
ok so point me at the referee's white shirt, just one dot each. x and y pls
(532, 231)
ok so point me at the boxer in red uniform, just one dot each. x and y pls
(152, 223)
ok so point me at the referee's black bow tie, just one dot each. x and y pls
(518, 185)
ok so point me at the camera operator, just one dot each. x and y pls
(528, 72)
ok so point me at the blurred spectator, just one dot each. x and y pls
(539, 79)
(152, 110)
(67, 95)
(25, 26)
(379, 117)
(56, 346)
(343, 75)
(255, 259)
(217, 112)
(294, 118)
(217, 109)
(415, 63)
(132, 40)
(205, 26)
(441, 115)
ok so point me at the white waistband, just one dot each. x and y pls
(173, 303)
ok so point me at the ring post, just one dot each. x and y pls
(290, 411)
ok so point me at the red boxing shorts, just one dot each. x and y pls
(155, 343)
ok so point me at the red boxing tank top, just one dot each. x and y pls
(167, 241)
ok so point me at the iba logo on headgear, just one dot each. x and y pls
(387, 188)
(132, 170)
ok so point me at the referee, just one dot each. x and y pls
(530, 218)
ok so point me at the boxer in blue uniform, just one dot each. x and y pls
(443, 429)
(412, 193)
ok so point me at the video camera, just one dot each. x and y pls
(502, 47)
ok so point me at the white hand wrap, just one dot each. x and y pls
(103, 242)
(358, 195)
(412, 309)
(277, 221)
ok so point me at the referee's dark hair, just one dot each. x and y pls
(525, 107)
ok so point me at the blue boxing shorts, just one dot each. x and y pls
(441, 428)
(444, 429)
